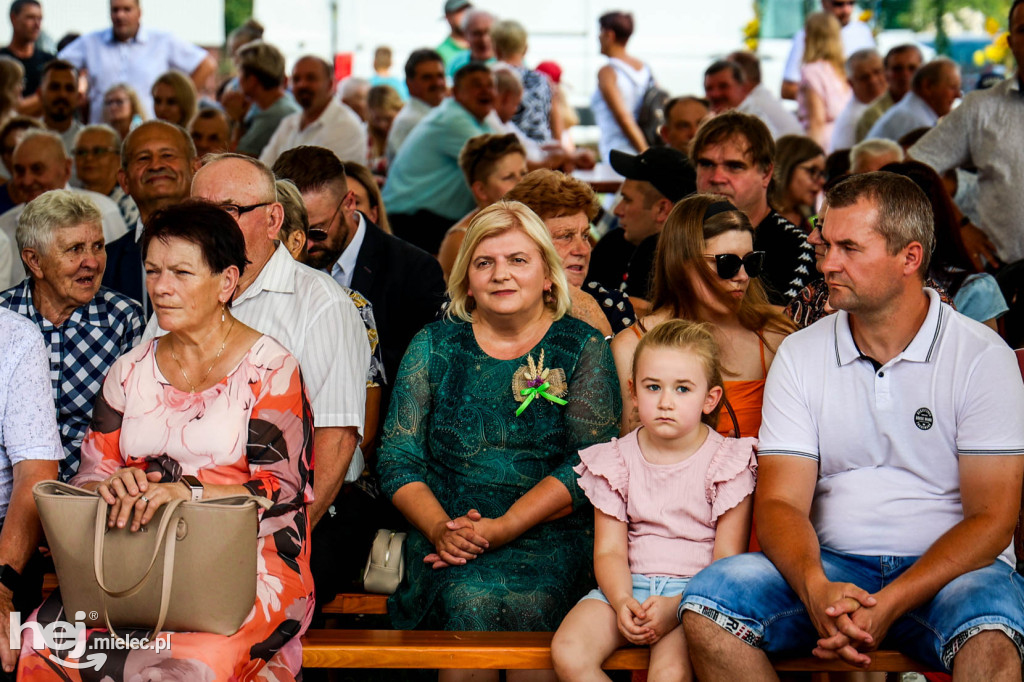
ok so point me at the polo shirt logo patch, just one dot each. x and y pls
(923, 419)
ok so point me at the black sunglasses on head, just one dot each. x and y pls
(727, 265)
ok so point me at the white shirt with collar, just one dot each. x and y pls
(907, 115)
(767, 107)
(888, 440)
(411, 114)
(113, 226)
(338, 128)
(987, 132)
(137, 62)
(345, 266)
(844, 134)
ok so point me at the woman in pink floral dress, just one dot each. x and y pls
(216, 400)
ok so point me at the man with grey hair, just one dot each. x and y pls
(476, 26)
(261, 80)
(871, 155)
(355, 94)
(85, 326)
(890, 460)
(42, 164)
(935, 87)
(323, 121)
(900, 63)
(157, 162)
(97, 154)
(866, 75)
(303, 308)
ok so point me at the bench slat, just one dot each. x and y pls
(448, 650)
(881, 661)
(398, 649)
(357, 602)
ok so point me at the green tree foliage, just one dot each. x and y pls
(235, 14)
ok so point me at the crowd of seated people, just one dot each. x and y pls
(356, 300)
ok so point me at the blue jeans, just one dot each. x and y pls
(746, 595)
(644, 586)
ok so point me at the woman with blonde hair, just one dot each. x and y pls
(122, 109)
(706, 269)
(489, 410)
(383, 103)
(824, 91)
(174, 98)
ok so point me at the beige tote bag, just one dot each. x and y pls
(191, 569)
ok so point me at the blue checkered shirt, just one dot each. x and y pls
(82, 349)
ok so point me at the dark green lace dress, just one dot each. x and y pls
(452, 425)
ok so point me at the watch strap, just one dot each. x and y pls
(10, 578)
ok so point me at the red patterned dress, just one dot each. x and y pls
(254, 428)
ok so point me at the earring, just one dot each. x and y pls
(223, 314)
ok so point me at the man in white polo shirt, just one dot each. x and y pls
(891, 456)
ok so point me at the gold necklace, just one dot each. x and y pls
(223, 345)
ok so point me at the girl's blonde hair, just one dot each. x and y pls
(496, 219)
(693, 337)
(823, 41)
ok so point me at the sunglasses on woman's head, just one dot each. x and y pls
(727, 265)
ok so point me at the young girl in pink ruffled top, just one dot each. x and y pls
(669, 498)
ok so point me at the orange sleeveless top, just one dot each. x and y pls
(745, 398)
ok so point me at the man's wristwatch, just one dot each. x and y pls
(10, 578)
(190, 482)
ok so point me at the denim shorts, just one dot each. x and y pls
(646, 585)
(746, 595)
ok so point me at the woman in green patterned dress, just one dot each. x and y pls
(490, 407)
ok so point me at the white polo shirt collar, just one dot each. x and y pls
(920, 349)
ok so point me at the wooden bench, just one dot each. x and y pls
(357, 603)
(404, 649)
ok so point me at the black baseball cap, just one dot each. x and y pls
(667, 169)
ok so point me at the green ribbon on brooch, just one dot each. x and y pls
(534, 391)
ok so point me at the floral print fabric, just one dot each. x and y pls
(254, 428)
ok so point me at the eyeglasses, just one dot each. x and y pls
(813, 171)
(236, 211)
(82, 152)
(317, 234)
(727, 265)
(114, 102)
